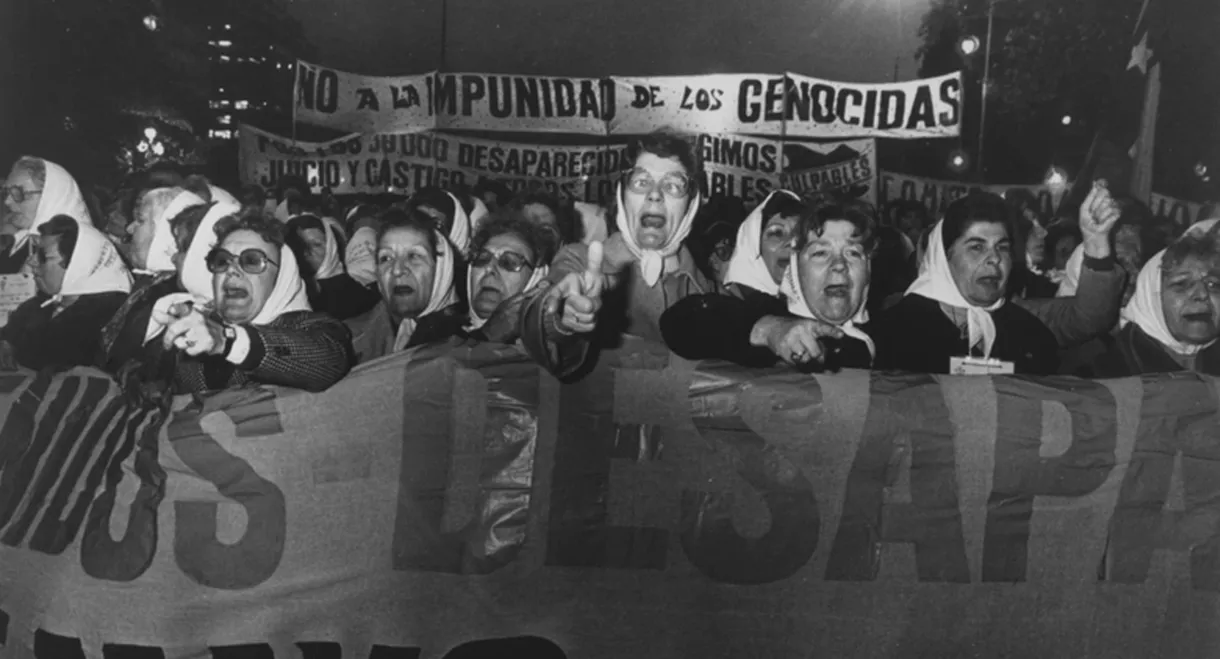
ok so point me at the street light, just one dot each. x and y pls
(1067, 120)
(968, 45)
(151, 23)
(958, 161)
(150, 133)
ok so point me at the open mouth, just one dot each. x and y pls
(234, 293)
(836, 290)
(652, 221)
(403, 290)
(1201, 317)
(989, 281)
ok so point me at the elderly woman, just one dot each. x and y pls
(1173, 320)
(954, 317)
(646, 268)
(81, 282)
(812, 321)
(415, 276)
(259, 327)
(509, 257)
(35, 191)
(318, 244)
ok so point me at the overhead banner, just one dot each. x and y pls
(537, 104)
(362, 104)
(775, 105)
(699, 104)
(402, 164)
(938, 194)
(654, 508)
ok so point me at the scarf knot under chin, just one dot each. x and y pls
(935, 282)
(653, 262)
(790, 287)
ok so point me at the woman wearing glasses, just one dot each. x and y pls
(644, 268)
(81, 282)
(510, 253)
(35, 191)
(415, 274)
(259, 328)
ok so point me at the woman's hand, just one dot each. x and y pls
(195, 334)
(576, 299)
(794, 340)
(1098, 215)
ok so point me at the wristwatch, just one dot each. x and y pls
(230, 339)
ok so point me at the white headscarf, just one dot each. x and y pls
(790, 287)
(935, 282)
(747, 267)
(93, 267)
(289, 293)
(281, 211)
(332, 265)
(195, 278)
(652, 261)
(459, 233)
(60, 196)
(475, 323)
(441, 296)
(222, 196)
(361, 256)
(163, 248)
(477, 215)
(1145, 310)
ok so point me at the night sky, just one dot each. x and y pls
(849, 40)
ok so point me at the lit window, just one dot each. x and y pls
(228, 27)
(212, 43)
(224, 58)
(224, 119)
(224, 43)
(216, 105)
(241, 105)
(221, 90)
(278, 65)
(224, 134)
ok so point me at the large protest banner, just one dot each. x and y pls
(362, 104)
(480, 101)
(775, 105)
(789, 105)
(402, 164)
(938, 194)
(655, 508)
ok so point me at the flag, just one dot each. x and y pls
(1122, 148)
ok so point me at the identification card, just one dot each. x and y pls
(979, 366)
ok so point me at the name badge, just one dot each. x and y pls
(979, 366)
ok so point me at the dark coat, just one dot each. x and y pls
(42, 339)
(1132, 352)
(300, 349)
(374, 333)
(122, 339)
(11, 264)
(916, 336)
(719, 327)
(342, 297)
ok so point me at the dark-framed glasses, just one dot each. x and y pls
(507, 261)
(673, 185)
(18, 193)
(251, 261)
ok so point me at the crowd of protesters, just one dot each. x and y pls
(180, 286)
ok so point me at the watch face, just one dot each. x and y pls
(230, 332)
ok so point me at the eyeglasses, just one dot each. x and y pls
(674, 185)
(251, 261)
(18, 193)
(507, 261)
